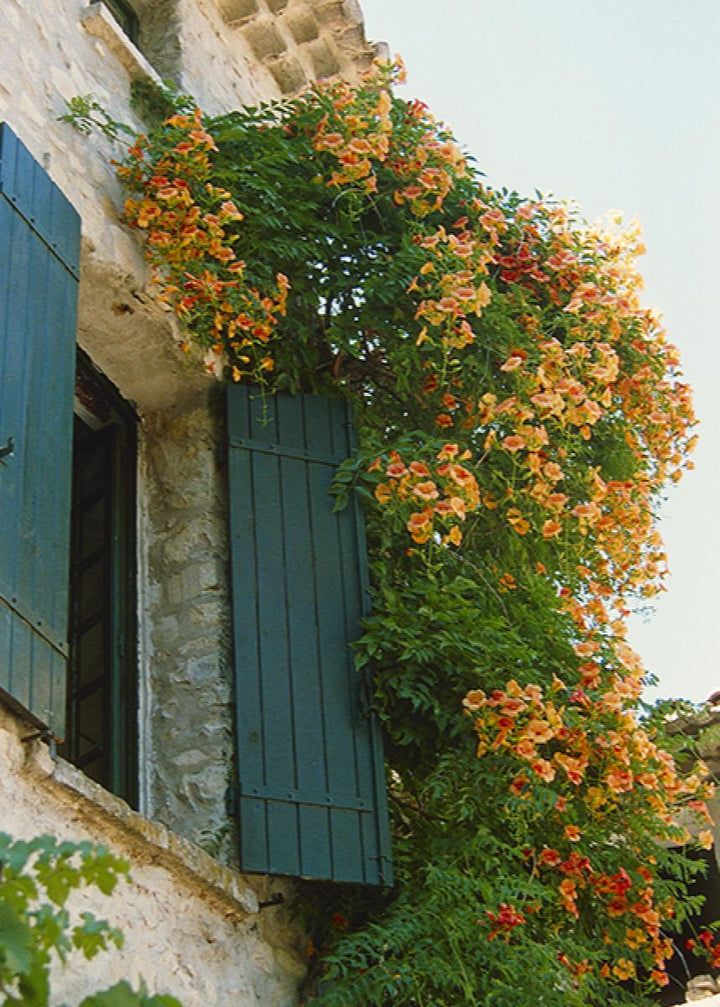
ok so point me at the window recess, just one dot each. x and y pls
(116, 24)
(101, 695)
(125, 17)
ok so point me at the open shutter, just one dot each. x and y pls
(311, 780)
(39, 252)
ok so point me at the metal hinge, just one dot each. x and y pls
(232, 794)
(7, 451)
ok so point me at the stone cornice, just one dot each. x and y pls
(303, 40)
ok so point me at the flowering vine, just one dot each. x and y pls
(520, 412)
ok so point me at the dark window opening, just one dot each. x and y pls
(125, 17)
(101, 734)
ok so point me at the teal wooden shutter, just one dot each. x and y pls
(39, 254)
(312, 797)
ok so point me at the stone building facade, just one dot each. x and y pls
(192, 923)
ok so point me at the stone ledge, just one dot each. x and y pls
(158, 845)
(133, 339)
(703, 1000)
(98, 21)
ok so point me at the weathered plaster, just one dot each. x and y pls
(192, 927)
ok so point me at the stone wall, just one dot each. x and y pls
(189, 719)
(192, 928)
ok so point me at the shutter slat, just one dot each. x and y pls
(290, 421)
(253, 835)
(339, 706)
(304, 663)
(54, 384)
(315, 846)
(5, 647)
(28, 187)
(21, 668)
(249, 719)
(39, 255)
(311, 776)
(272, 612)
(347, 847)
(14, 283)
(283, 838)
(41, 681)
(33, 444)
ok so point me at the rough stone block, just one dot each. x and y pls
(237, 12)
(288, 73)
(264, 39)
(192, 581)
(380, 50)
(324, 60)
(205, 786)
(353, 38)
(303, 27)
(340, 13)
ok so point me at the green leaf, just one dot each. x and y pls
(94, 935)
(122, 995)
(16, 941)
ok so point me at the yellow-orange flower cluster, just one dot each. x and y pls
(359, 132)
(587, 746)
(440, 492)
(191, 248)
(452, 285)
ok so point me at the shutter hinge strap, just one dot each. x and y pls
(232, 795)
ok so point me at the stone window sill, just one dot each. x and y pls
(155, 843)
(98, 21)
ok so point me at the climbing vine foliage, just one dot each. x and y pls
(520, 412)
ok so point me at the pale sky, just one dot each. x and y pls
(615, 104)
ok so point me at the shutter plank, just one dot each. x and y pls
(54, 384)
(15, 253)
(250, 738)
(304, 666)
(340, 697)
(36, 506)
(254, 835)
(290, 430)
(277, 725)
(315, 845)
(348, 852)
(283, 838)
(41, 680)
(339, 703)
(5, 647)
(21, 668)
(304, 670)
